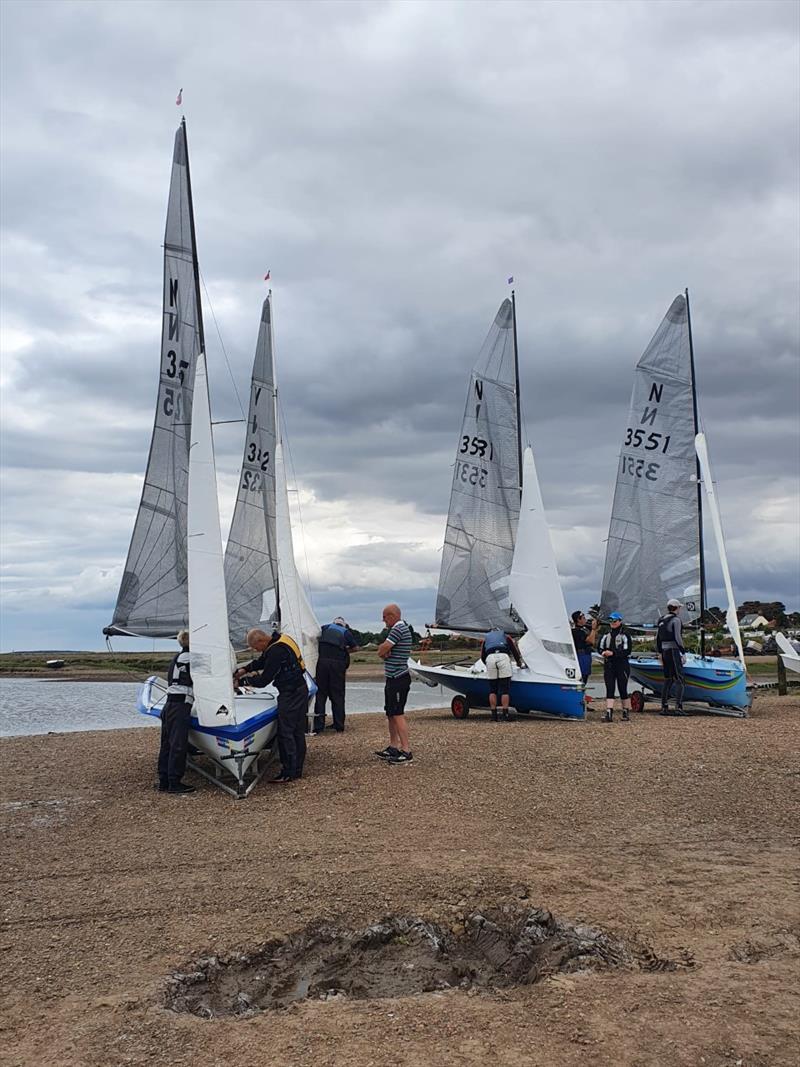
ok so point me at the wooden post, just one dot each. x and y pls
(781, 677)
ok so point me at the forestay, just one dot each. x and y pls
(731, 618)
(535, 588)
(250, 554)
(297, 616)
(211, 654)
(484, 499)
(653, 551)
(152, 599)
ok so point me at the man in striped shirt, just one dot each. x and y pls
(394, 652)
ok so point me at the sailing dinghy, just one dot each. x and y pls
(789, 652)
(498, 566)
(655, 548)
(176, 575)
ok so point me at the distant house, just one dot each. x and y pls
(752, 622)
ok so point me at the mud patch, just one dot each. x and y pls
(401, 956)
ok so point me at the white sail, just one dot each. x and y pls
(535, 589)
(713, 508)
(790, 652)
(210, 645)
(297, 616)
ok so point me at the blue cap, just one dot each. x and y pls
(615, 616)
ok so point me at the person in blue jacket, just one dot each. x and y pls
(336, 642)
(496, 652)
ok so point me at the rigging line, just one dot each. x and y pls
(222, 344)
(285, 439)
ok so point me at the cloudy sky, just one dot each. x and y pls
(391, 164)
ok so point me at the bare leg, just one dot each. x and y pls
(401, 729)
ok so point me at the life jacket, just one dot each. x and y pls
(178, 677)
(666, 633)
(284, 639)
(333, 634)
(495, 641)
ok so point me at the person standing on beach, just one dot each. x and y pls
(669, 642)
(175, 717)
(280, 661)
(394, 652)
(584, 638)
(615, 648)
(497, 649)
(336, 642)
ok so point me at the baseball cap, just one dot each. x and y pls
(674, 603)
(615, 616)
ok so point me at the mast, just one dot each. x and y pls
(195, 264)
(516, 388)
(699, 484)
(273, 548)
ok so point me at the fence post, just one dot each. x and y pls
(781, 677)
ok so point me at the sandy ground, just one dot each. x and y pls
(681, 832)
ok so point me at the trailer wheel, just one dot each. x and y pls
(637, 700)
(459, 707)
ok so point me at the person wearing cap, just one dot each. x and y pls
(615, 648)
(584, 637)
(336, 642)
(669, 642)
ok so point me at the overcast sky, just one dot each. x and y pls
(392, 164)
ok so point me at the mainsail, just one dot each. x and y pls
(251, 573)
(485, 495)
(153, 599)
(211, 654)
(653, 550)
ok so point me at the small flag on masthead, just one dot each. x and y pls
(266, 276)
(179, 98)
(511, 279)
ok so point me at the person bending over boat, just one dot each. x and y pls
(497, 649)
(336, 642)
(669, 642)
(175, 717)
(615, 648)
(394, 652)
(584, 637)
(280, 661)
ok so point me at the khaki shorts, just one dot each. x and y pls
(498, 665)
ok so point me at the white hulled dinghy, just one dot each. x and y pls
(175, 575)
(498, 566)
(655, 548)
(789, 652)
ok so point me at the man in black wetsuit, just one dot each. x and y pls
(280, 661)
(336, 642)
(615, 648)
(175, 717)
(669, 642)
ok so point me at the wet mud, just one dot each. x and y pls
(401, 956)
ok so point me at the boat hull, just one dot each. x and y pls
(233, 750)
(528, 693)
(720, 683)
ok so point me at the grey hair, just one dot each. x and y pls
(183, 638)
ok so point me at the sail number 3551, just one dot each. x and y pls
(640, 468)
(637, 439)
(476, 446)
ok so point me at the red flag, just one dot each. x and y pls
(179, 98)
(266, 276)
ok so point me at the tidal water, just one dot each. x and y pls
(34, 706)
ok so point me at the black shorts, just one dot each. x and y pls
(500, 686)
(395, 693)
(615, 675)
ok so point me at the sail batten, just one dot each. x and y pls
(485, 493)
(653, 552)
(153, 596)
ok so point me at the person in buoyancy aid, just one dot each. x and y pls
(669, 643)
(496, 652)
(336, 642)
(583, 638)
(615, 648)
(280, 662)
(175, 717)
